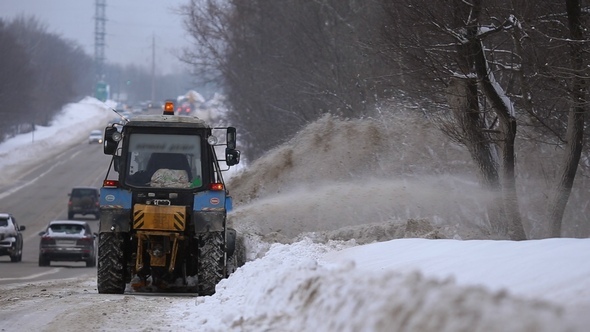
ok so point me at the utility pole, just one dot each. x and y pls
(153, 68)
(99, 36)
(100, 18)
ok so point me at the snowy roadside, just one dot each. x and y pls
(295, 288)
(19, 154)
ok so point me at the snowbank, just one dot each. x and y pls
(18, 155)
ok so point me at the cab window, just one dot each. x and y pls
(164, 161)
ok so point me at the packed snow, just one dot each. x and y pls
(331, 244)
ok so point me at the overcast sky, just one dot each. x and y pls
(131, 25)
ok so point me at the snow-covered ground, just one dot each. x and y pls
(68, 129)
(313, 263)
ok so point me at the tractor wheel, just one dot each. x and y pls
(111, 263)
(211, 261)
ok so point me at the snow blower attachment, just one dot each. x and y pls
(163, 206)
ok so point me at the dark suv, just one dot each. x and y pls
(11, 238)
(84, 200)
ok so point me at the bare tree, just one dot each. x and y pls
(502, 64)
(575, 132)
(16, 83)
(285, 63)
(58, 66)
(449, 40)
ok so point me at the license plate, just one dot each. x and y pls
(66, 243)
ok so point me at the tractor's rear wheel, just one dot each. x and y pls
(111, 263)
(211, 261)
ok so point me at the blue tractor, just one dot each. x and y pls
(163, 206)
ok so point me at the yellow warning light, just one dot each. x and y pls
(169, 108)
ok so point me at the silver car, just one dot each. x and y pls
(95, 137)
(11, 238)
(67, 240)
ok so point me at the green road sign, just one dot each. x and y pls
(102, 91)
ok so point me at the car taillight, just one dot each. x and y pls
(47, 240)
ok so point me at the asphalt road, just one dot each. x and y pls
(41, 196)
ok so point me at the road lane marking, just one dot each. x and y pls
(33, 276)
(59, 163)
(13, 190)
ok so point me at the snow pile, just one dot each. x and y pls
(70, 127)
(401, 146)
(321, 287)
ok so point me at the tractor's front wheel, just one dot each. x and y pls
(111, 263)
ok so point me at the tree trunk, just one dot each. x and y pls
(463, 101)
(575, 131)
(505, 110)
(462, 98)
(507, 220)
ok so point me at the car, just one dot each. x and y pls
(95, 137)
(67, 240)
(84, 201)
(11, 238)
(184, 109)
(155, 106)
